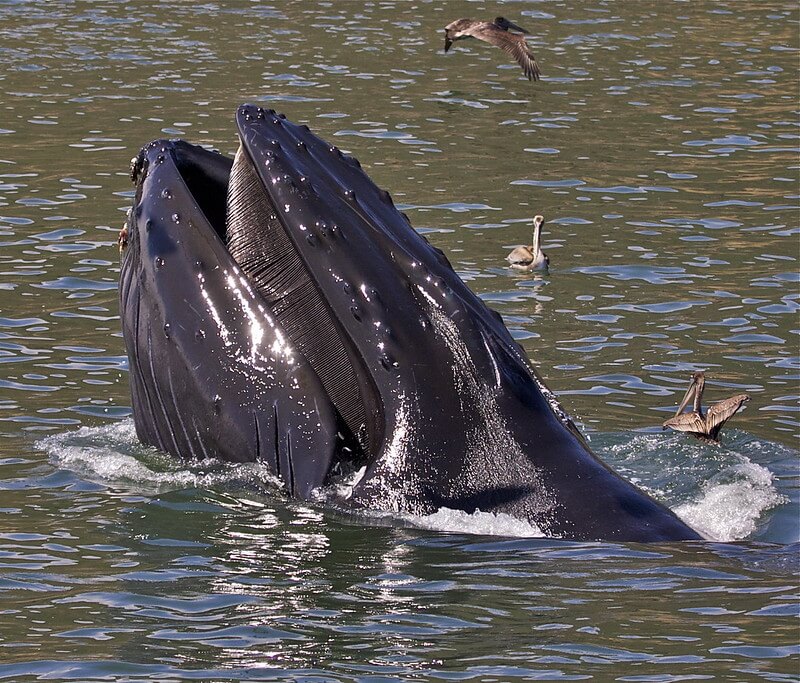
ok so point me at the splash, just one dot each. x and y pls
(113, 455)
(448, 520)
(718, 490)
(730, 510)
(477, 523)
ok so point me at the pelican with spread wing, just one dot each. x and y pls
(497, 33)
(704, 425)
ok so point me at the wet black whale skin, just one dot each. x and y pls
(459, 418)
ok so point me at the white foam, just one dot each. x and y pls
(340, 488)
(478, 523)
(729, 510)
(725, 504)
(113, 454)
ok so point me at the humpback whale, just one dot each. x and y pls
(278, 307)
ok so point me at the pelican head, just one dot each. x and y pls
(538, 222)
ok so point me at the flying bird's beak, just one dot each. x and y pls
(688, 397)
(447, 42)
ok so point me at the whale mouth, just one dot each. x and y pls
(279, 308)
(259, 238)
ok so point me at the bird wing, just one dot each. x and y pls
(721, 412)
(511, 43)
(520, 256)
(507, 25)
(686, 422)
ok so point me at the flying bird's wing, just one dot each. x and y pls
(511, 43)
(507, 25)
(721, 412)
(686, 422)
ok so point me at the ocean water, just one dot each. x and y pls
(662, 148)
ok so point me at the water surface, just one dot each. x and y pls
(662, 148)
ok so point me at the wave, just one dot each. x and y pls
(718, 491)
(113, 454)
(730, 505)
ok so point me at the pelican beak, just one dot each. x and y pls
(447, 42)
(688, 397)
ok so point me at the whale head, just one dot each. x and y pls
(278, 307)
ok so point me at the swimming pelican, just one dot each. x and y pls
(530, 258)
(496, 33)
(697, 424)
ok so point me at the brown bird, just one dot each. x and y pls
(708, 426)
(530, 258)
(495, 33)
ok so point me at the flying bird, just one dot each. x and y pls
(498, 33)
(530, 258)
(704, 426)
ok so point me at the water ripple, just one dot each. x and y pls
(664, 161)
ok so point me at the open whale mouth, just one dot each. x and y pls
(261, 235)
(261, 239)
(277, 307)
